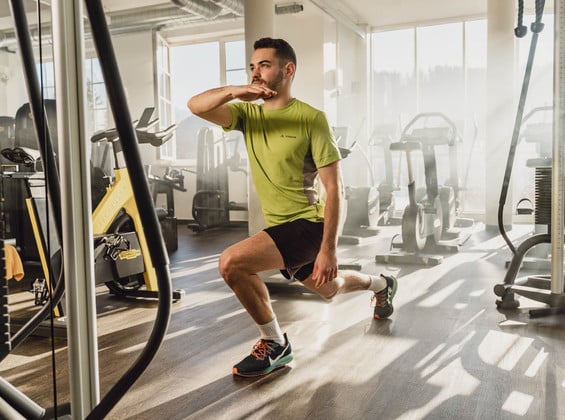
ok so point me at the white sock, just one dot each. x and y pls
(272, 331)
(378, 283)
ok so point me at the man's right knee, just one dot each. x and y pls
(228, 266)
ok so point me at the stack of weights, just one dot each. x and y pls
(543, 196)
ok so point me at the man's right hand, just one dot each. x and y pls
(252, 92)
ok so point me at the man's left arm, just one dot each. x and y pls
(325, 267)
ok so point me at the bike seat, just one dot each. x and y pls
(157, 138)
(405, 146)
(432, 136)
(110, 134)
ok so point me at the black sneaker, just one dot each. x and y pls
(265, 357)
(383, 298)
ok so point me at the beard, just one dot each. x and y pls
(273, 84)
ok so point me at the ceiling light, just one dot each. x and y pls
(288, 8)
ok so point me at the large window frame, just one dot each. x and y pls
(230, 72)
(469, 112)
(427, 78)
(98, 115)
(162, 74)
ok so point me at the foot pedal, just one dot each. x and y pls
(39, 290)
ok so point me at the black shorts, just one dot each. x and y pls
(298, 242)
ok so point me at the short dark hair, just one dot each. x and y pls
(283, 50)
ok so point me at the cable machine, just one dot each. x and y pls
(545, 289)
(68, 34)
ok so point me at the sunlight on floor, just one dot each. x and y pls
(452, 380)
(140, 346)
(536, 363)
(505, 351)
(194, 270)
(231, 314)
(517, 403)
(444, 357)
(496, 346)
(441, 295)
(513, 355)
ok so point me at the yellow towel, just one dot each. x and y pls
(14, 267)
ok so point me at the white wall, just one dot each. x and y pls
(352, 108)
(134, 53)
(12, 91)
(308, 43)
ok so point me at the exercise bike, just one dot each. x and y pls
(121, 256)
(431, 211)
(120, 245)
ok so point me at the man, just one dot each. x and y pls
(289, 144)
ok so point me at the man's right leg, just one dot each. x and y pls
(239, 265)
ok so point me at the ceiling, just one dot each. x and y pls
(366, 14)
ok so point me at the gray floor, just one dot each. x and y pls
(446, 352)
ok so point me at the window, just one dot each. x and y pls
(97, 100)
(411, 75)
(195, 68)
(47, 78)
(440, 70)
(236, 73)
(165, 108)
(394, 94)
(472, 173)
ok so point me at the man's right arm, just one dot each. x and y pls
(212, 104)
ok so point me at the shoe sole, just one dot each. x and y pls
(282, 362)
(392, 293)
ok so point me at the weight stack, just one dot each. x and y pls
(543, 196)
(5, 340)
(170, 233)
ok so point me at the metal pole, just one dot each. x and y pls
(68, 36)
(557, 181)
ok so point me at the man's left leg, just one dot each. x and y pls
(383, 287)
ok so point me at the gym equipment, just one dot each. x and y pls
(150, 224)
(7, 138)
(429, 218)
(121, 256)
(363, 204)
(120, 260)
(537, 129)
(211, 205)
(543, 288)
(172, 180)
(13, 403)
(382, 137)
(25, 158)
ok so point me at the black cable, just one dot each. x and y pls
(537, 25)
(42, 122)
(521, 30)
(144, 201)
(518, 124)
(45, 147)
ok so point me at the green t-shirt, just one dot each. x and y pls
(285, 147)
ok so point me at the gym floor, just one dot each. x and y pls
(447, 351)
